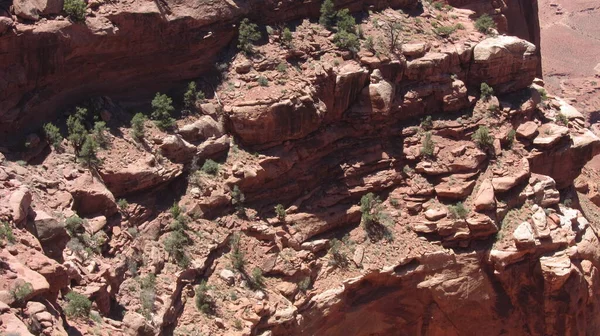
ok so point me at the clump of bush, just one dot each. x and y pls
(75, 9)
(428, 146)
(263, 81)
(89, 153)
(203, 301)
(286, 38)
(53, 135)
(328, 14)
(210, 167)
(237, 256)
(76, 128)
(338, 258)
(99, 133)
(458, 211)
(6, 232)
(562, 119)
(483, 138)
(137, 126)
(248, 34)
(237, 200)
(21, 291)
(486, 91)
(73, 225)
(280, 212)
(147, 295)
(78, 305)
(192, 96)
(373, 218)
(485, 24)
(257, 280)
(162, 107)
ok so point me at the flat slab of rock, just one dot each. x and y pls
(527, 130)
(414, 49)
(550, 134)
(436, 213)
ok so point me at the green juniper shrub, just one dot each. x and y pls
(258, 280)
(483, 138)
(485, 23)
(286, 38)
(282, 67)
(458, 211)
(210, 167)
(123, 204)
(203, 301)
(562, 119)
(21, 291)
(237, 255)
(248, 34)
(280, 212)
(486, 91)
(53, 135)
(147, 295)
(73, 225)
(445, 30)
(369, 44)
(304, 284)
(175, 210)
(88, 153)
(6, 232)
(510, 137)
(346, 40)
(162, 107)
(427, 123)
(338, 258)
(263, 81)
(328, 14)
(137, 126)
(345, 21)
(78, 305)
(76, 128)
(237, 200)
(75, 9)
(100, 133)
(175, 246)
(428, 145)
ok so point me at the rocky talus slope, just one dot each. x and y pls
(408, 201)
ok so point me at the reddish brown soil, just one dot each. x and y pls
(571, 48)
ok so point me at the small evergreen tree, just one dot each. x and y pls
(137, 126)
(345, 21)
(280, 212)
(485, 23)
(53, 135)
(203, 300)
(248, 34)
(237, 200)
(483, 138)
(75, 9)
(162, 107)
(428, 145)
(192, 96)
(286, 38)
(328, 14)
(486, 91)
(346, 40)
(76, 128)
(100, 133)
(88, 153)
(78, 305)
(237, 255)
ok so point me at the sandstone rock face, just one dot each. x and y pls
(137, 177)
(19, 203)
(127, 36)
(506, 63)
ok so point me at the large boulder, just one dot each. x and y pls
(507, 63)
(212, 147)
(91, 197)
(19, 203)
(33, 9)
(203, 128)
(176, 149)
(51, 233)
